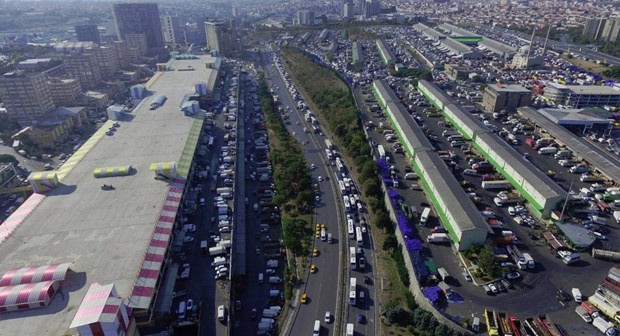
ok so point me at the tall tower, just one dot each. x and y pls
(140, 18)
(87, 33)
(529, 50)
(546, 40)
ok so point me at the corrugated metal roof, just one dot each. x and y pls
(55, 272)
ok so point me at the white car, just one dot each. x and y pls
(493, 288)
(320, 178)
(512, 211)
(328, 317)
(313, 166)
(190, 305)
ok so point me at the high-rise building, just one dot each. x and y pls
(606, 29)
(87, 33)
(305, 17)
(140, 18)
(348, 10)
(84, 67)
(371, 8)
(500, 97)
(218, 36)
(26, 96)
(108, 60)
(137, 45)
(173, 32)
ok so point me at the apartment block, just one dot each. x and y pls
(65, 92)
(84, 67)
(501, 97)
(26, 96)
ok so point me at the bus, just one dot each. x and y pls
(347, 204)
(339, 165)
(351, 228)
(358, 236)
(353, 257)
(343, 189)
(353, 291)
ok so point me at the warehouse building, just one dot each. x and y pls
(450, 45)
(357, 56)
(78, 257)
(542, 193)
(386, 55)
(464, 223)
(501, 49)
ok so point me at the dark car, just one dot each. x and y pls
(562, 295)
(361, 319)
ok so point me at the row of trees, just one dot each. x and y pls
(334, 100)
(293, 184)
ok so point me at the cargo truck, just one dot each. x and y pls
(604, 326)
(381, 151)
(438, 238)
(583, 314)
(529, 260)
(497, 184)
(217, 250)
(443, 273)
(605, 307)
(593, 311)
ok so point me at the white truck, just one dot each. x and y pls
(217, 250)
(437, 238)
(583, 314)
(604, 326)
(443, 273)
(381, 151)
(496, 184)
(425, 214)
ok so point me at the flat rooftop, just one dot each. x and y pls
(104, 234)
(508, 88)
(604, 162)
(457, 31)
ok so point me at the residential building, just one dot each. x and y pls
(122, 52)
(65, 92)
(83, 66)
(580, 96)
(348, 10)
(502, 97)
(85, 33)
(140, 18)
(108, 60)
(136, 46)
(173, 32)
(305, 17)
(603, 29)
(47, 66)
(26, 96)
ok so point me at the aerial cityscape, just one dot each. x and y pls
(343, 167)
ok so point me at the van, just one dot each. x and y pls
(411, 176)
(455, 138)
(181, 311)
(577, 295)
(261, 278)
(448, 133)
(317, 328)
(350, 329)
(221, 313)
(475, 325)
(456, 143)
(329, 238)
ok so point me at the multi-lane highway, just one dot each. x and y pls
(329, 286)
(321, 287)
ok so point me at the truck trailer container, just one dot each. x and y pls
(497, 184)
(583, 314)
(604, 326)
(381, 151)
(217, 250)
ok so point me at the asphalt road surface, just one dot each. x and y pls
(321, 287)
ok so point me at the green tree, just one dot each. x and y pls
(382, 220)
(487, 263)
(390, 243)
(8, 158)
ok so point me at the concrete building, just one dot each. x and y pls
(505, 97)
(580, 96)
(84, 67)
(140, 18)
(456, 71)
(120, 243)
(65, 92)
(57, 125)
(136, 46)
(47, 66)
(524, 60)
(173, 31)
(87, 33)
(26, 96)
(108, 60)
(348, 10)
(371, 8)
(219, 37)
(305, 17)
(450, 45)
(122, 52)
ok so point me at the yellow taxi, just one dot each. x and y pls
(322, 226)
(318, 234)
(318, 226)
(313, 269)
(304, 298)
(315, 253)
